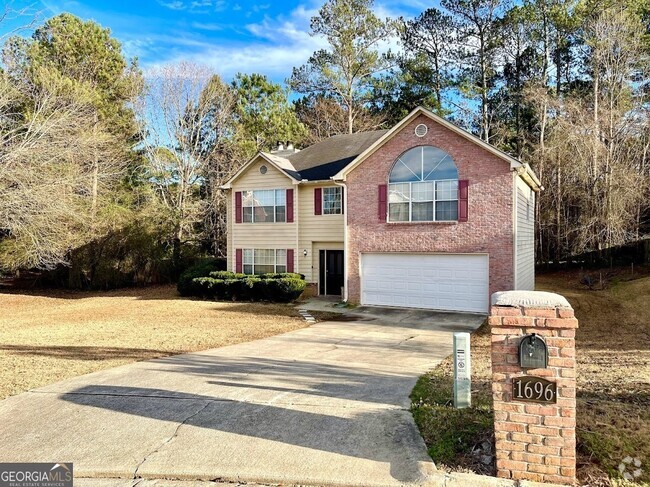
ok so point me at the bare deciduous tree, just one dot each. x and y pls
(324, 117)
(9, 13)
(45, 174)
(595, 168)
(188, 112)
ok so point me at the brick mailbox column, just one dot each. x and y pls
(534, 415)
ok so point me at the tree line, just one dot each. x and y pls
(109, 170)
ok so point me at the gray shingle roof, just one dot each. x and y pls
(326, 158)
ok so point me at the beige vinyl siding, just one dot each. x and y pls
(230, 220)
(525, 237)
(262, 235)
(316, 232)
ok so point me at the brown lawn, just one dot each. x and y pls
(47, 336)
(613, 365)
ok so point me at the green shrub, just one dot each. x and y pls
(282, 275)
(204, 287)
(232, 275)
(186, 282)
(240, 287)
(285, 289)
(134, 255)
(227, 275)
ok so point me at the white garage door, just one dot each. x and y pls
(453, 282)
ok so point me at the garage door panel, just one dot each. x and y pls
(454, 282)
(414, 286)
(413, 303)
(397, 286)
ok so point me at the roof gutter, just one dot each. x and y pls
(276, 162)
(529, 176)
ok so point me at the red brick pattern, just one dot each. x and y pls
(534, 441)
(489, 228)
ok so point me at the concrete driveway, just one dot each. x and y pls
(325, 405)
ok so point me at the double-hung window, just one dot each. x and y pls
(264, 206)
(423, 187)
(332, 201)
(264, 261)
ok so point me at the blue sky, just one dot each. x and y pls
(266, 36)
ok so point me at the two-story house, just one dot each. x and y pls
(422, 215)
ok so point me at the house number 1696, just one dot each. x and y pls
(535, 389)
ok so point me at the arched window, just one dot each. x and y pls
(423, 186)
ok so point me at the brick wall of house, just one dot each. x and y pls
(489, 227)
(534, 441)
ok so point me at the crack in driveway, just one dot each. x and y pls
(326, 404)
(168, 440)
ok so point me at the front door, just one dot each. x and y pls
(330, 278)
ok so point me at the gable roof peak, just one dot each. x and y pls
(529, 176)
(280, 163)
(334, 157)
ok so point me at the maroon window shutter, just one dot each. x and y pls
(238, 260)
(318, 201)
(238, 210)
(342, 201)
(289, 205)
(289, 260)
(383, 192)
(463, 200)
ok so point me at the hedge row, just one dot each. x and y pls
(186, 286)
(223, 285)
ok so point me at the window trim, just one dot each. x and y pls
(434, 201)
(323, 206)
(423, 178)
(253, 264)
(275, 206)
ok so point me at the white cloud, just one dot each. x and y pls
(294, 29)
(195, 6)
(220, 6)
(278, 43)
(211, 26)
(274, 61)
(260, 7)
(174, 5)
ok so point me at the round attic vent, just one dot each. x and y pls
(263, 169)
(421, 130)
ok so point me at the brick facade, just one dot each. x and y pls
(489, 229)
(534, 441)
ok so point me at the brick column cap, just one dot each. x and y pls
(530, 299)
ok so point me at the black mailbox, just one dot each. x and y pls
(533, 353)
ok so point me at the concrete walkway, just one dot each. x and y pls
(325, 405)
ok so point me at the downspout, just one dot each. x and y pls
(515, 201)
(296, 221)
(345, 239)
